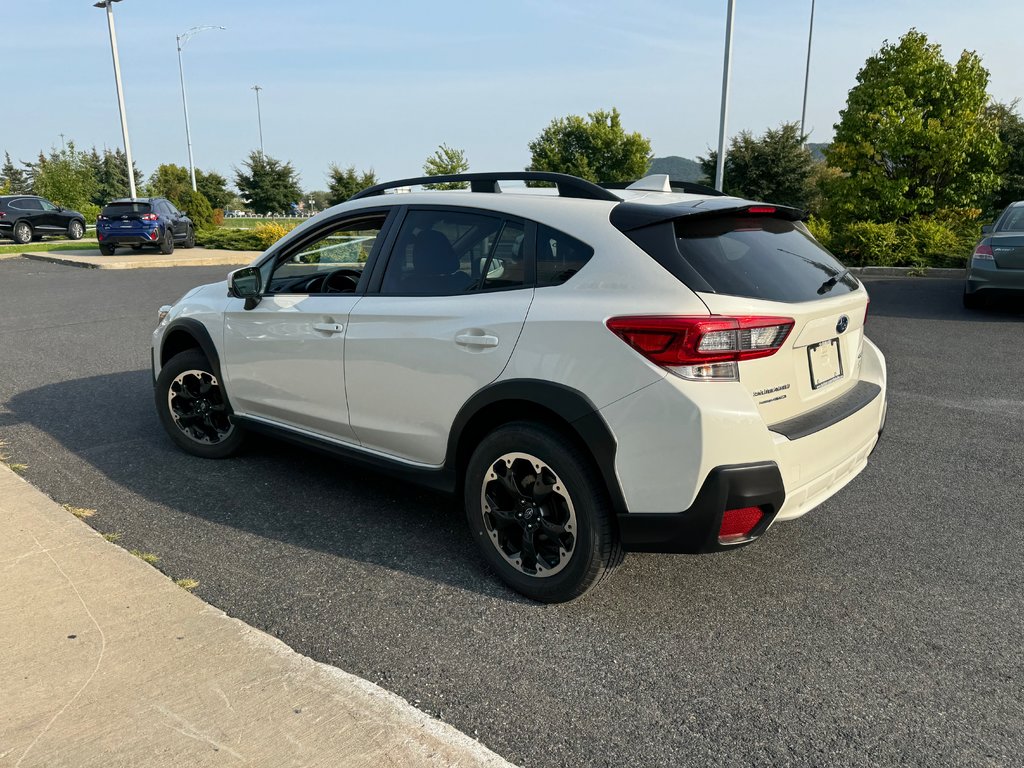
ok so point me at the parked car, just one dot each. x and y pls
(24, 218)
(593, 372)
(997, 264)
(143, 222)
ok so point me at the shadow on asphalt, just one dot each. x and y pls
(935, 299)
(325, 504)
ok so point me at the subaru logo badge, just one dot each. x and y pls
(843, 324)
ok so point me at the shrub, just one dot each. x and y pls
(90, 211)
(257, 238)
(867, 243)
(197, 207)
(934, 243)
(218, 216)
(821, 230)
(268, 234)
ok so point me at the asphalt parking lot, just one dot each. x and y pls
(884, 628)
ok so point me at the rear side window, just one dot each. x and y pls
(559, 256)
(27, 204)
(760, 258)
(121, 209)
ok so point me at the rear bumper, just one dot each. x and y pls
(129, 239)
(695, 530)
(986, 277)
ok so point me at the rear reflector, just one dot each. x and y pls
(738, 523)
(702, 348)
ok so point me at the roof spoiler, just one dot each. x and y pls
(629, 216)
(568, 186)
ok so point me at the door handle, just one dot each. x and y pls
(328, 328)
(472, 340)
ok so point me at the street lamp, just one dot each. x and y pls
(181, 40)
(727, 71)
(807, 73)
(259, 116)
(108, 4)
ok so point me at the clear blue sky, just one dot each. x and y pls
(382, 84)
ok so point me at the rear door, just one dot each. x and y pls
(760, 265)
(440, 324)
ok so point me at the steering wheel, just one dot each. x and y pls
(341, 281)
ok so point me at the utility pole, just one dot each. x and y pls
(181, 40)
(807, 73)
(259, 116)
(108, 4)
(727, 71)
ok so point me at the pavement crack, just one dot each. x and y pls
(99, 659)
(189, 730)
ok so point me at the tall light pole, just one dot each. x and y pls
(807, 73)
(181, 40)
(259, 116)
(108, 4)
(726, 73)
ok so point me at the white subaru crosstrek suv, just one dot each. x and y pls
(594, 372)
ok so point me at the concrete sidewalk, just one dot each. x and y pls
(191, 257)
(104, 661)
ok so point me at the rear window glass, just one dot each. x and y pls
(760, 258)
(120, 209)
(1012, 220)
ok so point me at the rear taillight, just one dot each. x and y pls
(3, 215)
(738, 523)
(149, 217)
(983, 253)
(704, 348)
(101, 217)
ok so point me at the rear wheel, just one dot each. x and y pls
(22, 233)
(194, 409)
(167, 243)
(107, 250)
(537, 508)
(972, 300)
(76, 229)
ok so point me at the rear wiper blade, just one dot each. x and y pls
(831, 283)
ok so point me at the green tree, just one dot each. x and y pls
(1011, 177)
(444, 162)
(318, 199)
(214, 188)
(111, 170)
(596, 148)
(13, 177)
(196, 206)
(170, 181)
(342, 183)
(915, 136)
(266, 184)
(66, 177)
(775, 167)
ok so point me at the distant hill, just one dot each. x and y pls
(678, 168)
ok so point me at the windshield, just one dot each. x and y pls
(762, 258)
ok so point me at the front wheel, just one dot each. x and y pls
(194, 409)
(537, 508)
(190, 239)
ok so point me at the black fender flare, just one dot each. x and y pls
(197, 331)
(572, 406)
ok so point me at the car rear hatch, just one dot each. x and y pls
(799, 314)
(128, 217)
(1008, 249)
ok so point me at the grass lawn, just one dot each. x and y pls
(83, 245)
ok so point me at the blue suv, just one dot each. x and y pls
(143, 221)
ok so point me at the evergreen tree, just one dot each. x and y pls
(266, 184)
(342, 183)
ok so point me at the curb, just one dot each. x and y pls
(231, 258)
(909, 272)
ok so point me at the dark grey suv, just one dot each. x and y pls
(29, 217)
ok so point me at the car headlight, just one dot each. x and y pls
(161, 314)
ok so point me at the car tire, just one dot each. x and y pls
(973, 301)
(22, 233)
(190, 239)
(537, 507)
(107, 250)
(194, 409)
(76, 229)
(167, 242)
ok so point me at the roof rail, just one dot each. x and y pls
(568, 186)
(690, 187)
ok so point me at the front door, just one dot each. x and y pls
(448, 313)
(284, 359)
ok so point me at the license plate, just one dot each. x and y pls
(825, 362)
(126, 225)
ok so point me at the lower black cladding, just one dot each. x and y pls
(695, 530)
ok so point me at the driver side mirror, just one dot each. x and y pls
(246, 283)
(986, 228)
